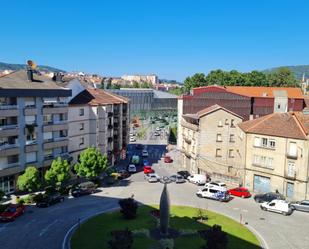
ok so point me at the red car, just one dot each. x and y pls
(168, 159)
(241, 192)
(148, 169)
(12, 212)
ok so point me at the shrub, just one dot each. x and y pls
(49, 190)
(166, 243)
(121, 239)
(128, 207)
(215, 238)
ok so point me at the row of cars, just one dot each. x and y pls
(47, 199)
(274, 202)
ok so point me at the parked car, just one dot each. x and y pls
(158, 129)
(146, 162)
(267, 197)
(12, 212)
(84, 188)
(168, 159)
(132, 139)
(216, 183)
(123, 174)
(148, 169)
(184, 173)
(177, 179)
(240, 192)
(145, 153)
(214, 192)
(131, 168)
(152, 177)
(156, 133)
(300, 205)
(278, 206)
(49, 200)
(197, 179)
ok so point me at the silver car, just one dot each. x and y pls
(152, 177)
(177, 179)
(301, 205)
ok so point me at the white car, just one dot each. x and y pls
(132, 139)
(152, 177)
(158, 129)
(131, 168)
(214, 192)
(278, 206)
(197, 179)
(144, 153)
(216, 183)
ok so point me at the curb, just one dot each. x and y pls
(66, 243)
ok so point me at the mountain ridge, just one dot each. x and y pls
(12, 66)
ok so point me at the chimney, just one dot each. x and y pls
(29, 74)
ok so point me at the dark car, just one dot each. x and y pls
(300, 205)
(267, 197)
(85, 188)
(123, 174)
(184, 173)
(49, 200)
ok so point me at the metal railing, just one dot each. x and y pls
(8, 107)
(8, 127)
(8, 146)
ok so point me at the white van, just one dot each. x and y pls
(197, 179)
(278, 206)
(214, 192)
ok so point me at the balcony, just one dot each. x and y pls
(9, 149)
(110, 114)
(116, 125)
(55, 109)
(55, 126)
(8, 107)
(5, 146)
(9, 130)
(291, 155)
(110, 126)
(9, 165)
(55, 144)
(290, 176)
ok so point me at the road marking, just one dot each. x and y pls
(46, 228)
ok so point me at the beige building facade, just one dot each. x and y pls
(276, 152)
(209, 144)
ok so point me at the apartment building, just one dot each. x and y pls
(33, 124)
(209, 144)
(101, 119)
(276, 152)
(152, 78)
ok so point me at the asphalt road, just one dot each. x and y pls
(46, 228)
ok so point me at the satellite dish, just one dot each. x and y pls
(31, 64)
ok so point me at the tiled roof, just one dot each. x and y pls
(289, 125)
(97, 97)
(208, 110)
(270, 92)
(19, 80)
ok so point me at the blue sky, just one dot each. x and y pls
(173, 39)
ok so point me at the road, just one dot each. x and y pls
(46, 228)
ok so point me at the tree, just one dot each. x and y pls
(58, 173)
(91, 164)
(145, 85)
(30, 180)
(135, 84)
(196, 80)
(256, 78)
(215, 238)
(177, 91)
(282, 77)
(216, 77)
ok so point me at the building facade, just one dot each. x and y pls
(276, 152)
(152, 78)
(209, 144)
(33, 124)
(100, 119)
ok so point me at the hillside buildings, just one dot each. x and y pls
(152, 78)
(33, 124)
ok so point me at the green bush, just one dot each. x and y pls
(29, 199)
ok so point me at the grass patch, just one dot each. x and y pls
(95, 233)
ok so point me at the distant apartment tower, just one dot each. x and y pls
(152, 78)
(100, 119)
(33, 124)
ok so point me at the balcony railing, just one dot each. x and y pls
(60, 121)
(48, 157)
(8, 127)
(30, 142)
(8, 146)
(8, 107)
(9, 165)
(291, 156)
(291, 176)
(60, 104)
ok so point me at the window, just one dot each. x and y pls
(81, 126)
(29, 102)
(218, 153)
(272, 143)
(264, 142)
(231, 153)
(220, 123)
(291, 169)
(81, 141)
(47, 135)
(226, 121)
(30, 120)
(31, 157)
(257, 142)
(269, 162)
(256, 160)
(292, 149)
(219, 137)
(232, 138)
(232, 123)
(13, 159)
(63, 133)
(81, 112)
(48, 118)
